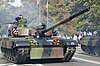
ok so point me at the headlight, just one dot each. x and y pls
(72, 43)
(23, 44)
(17, 44)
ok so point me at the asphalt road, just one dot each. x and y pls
(79, 59)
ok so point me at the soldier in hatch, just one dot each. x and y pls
(41, 26)
(21, 22)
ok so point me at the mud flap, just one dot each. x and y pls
(69, 54)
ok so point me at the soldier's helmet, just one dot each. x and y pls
(19, 17)
(41, 26)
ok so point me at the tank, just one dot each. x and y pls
(24, 44)
(90, 44)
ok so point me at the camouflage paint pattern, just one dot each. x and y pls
(45, 51)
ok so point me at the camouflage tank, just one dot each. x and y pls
(91, 43)
(23, 44)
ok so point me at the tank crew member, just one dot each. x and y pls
(41, 26)
(21, 21)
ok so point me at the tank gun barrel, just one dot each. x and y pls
(68, 19)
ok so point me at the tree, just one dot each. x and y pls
(57, 9)
(90, 18)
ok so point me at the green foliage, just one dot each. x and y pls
(57, 9)
(90, 18)
(94, 15)
(63, 8)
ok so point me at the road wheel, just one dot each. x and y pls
(85, 49)
(17, 57)
(97, 50)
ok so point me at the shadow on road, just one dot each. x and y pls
(48, 61)
(39, 61)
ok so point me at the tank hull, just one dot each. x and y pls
(23, 50)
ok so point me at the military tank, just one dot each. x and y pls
(90, 44)
(23, 44)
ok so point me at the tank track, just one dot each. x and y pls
(91, 50)
(16, 55)
(21, 55)
(69, 54)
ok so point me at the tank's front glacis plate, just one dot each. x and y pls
(44, 48)
(46, 52)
